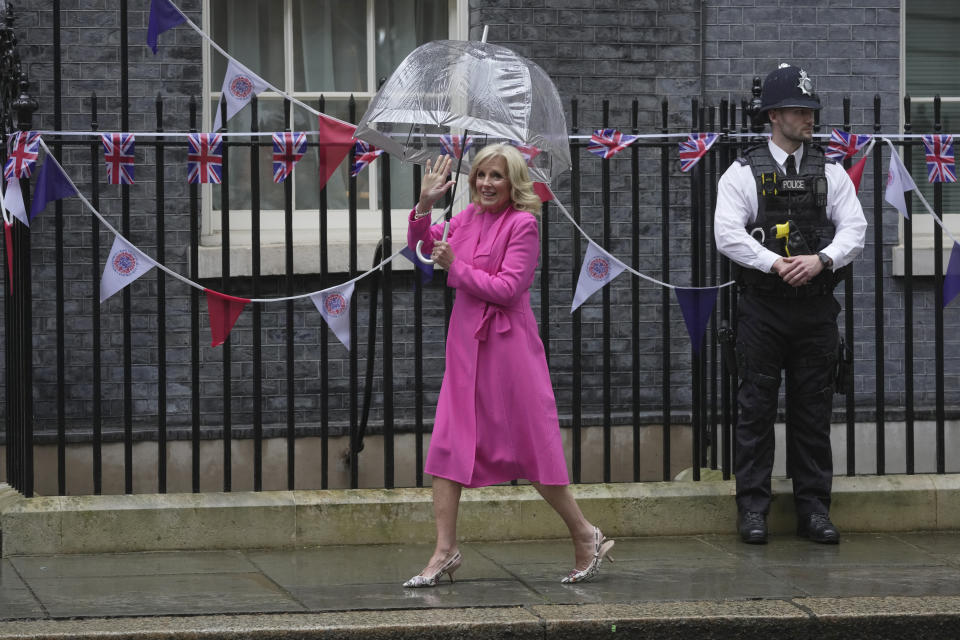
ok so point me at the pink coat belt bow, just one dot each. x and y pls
(498, 316)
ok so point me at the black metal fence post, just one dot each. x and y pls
(576, 365)
(909, 437)
(665, 396)
(878, 290)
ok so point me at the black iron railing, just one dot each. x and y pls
(629, 204)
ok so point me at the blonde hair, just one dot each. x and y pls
(521, 186)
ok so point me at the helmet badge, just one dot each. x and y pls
(805, 85)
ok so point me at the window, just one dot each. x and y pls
(930, 52)
(311, 48)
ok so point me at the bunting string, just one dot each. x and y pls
(187, 281)
(640, 275)
(923, 200)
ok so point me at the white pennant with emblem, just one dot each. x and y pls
(239, 85)
(13, 202)
(334, 305)
(125, 264)
(598, 269)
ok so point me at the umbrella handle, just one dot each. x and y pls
(420, 256)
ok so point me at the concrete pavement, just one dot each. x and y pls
(876, 585)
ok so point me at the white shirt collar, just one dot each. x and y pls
(780, 156)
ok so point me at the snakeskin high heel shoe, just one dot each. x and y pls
(601, 546)
(448, 567)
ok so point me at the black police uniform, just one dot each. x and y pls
(791, 329)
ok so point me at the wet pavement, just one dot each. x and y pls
(649, 574)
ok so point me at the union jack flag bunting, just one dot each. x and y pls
(363, 154)
(288, 148)
(528, 151)
(845, 145)
(940, 160)
(695, 147)
(118, 155)
(451, 145)
(205, 158)
(607, 143)
(24, 152)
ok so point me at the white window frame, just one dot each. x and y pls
(306, 231)
(922, 223)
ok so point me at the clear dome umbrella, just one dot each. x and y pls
(468, 88)
(458, 87)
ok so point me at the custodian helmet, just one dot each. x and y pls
(788, 86)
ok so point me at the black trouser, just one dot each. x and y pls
(799, 336)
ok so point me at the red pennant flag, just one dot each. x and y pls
(224, 311)
(856, 172)
(8, 234)
(336, 140)
(543, 190)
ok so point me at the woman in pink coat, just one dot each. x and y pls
(496, 414)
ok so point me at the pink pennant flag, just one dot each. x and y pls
(336, 140)
(543, 190)
(224, 311)
(598, 269)
(856, 172)
(334, 305)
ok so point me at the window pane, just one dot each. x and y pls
(307, 183)
(329, 45)
(922, 116)
(932, 47)
(401, 185)
(403, 25)
(270, 118)
(252, 32)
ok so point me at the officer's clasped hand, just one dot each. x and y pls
(797, 271)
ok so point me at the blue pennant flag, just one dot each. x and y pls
(951, 279)
(426, 270)
(163, 16)
(697, 305)
(52, 184)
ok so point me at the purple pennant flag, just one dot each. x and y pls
(52, 184)
(163, 16)
(696, 305)
(951, 279)
(426, 274)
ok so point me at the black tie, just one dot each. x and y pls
(791, 166)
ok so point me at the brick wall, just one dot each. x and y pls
(595, 50)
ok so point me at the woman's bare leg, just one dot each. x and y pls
(446, 504)
(581, 531)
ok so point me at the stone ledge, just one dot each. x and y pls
(287, 519)
(833, 619)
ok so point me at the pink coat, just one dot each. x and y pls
(496, 414)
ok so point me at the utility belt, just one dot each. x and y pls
(770, 285)
(783, 290)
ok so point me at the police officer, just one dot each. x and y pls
(787, 315)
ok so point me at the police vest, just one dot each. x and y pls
(800, 200)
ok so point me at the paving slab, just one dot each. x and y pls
(898, 585)
(844, 582)
(186, 594)
(132, 564)
(16, 600)
(854, 549)
(374, 564)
